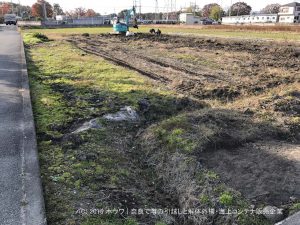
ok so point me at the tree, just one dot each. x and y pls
(79, 12)
(216, 13)
(193, 9)
(207, 9)
(271, 9)
(90, 13)
(37, 9)
(239, 9)
(5, 8)
(25, 11)
(57, 10)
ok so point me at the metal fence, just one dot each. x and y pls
(87, 21)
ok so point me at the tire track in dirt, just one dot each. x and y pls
(121, 62)
(184, 90)
(166, 65)
(248, 72)
(185, 85)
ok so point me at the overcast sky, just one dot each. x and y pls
(110, 6)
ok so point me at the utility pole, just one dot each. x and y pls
(43, 5)
(138, 5)
(140, 9)
(169, 8)
(193, 6)
(156, 10)
(166, 16)
(230, 8)
(12, 7)
(45, 11)
(173, 9)
(19, 9)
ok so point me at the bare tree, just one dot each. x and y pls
(271, 9)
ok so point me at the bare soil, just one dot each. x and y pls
(203, 68)
(265, 172)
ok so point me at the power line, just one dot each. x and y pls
(170, 8)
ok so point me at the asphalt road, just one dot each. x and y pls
(10, 126)
(21, 196)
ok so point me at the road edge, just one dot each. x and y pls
(291, 220)
(32, 204)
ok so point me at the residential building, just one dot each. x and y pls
(289, 13)
(61, 17)
(251, 19)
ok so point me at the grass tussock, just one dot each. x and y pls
(34, 38)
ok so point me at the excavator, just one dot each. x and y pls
(123, 28)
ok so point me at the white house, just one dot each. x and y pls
(289, 13)
(251, 19)
(189, 18)
(61, 17)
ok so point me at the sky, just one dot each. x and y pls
(111, 6)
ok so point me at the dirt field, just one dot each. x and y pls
(218, 127)
(203, 68)
(224, 71)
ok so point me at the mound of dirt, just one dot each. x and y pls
(211, 129)
(264, 172)
(176, 148)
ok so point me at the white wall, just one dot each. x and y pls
(289, 14)
(249, 19)
(61, 17)
(29, 23)
(189, 19)
(182, 17)
(286, 10)
(286, 19)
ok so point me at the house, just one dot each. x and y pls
(61, 17)
(251, 19)
(289, 13)
(189, 18)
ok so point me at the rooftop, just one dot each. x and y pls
(293, 4)
(253, 15)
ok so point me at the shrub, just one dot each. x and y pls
(226, 199)
(40, 36)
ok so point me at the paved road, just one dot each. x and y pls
(21, 201)
(10, 127)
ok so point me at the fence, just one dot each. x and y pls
(88, 21)
(29, 23)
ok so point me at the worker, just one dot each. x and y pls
(152, 31)
(158, 32)
(135, 23)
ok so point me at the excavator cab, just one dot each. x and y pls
(120, 27)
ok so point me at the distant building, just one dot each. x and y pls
(189, 19)
(61, 17)
(289, 13)
(251, 19)
(99, 20)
